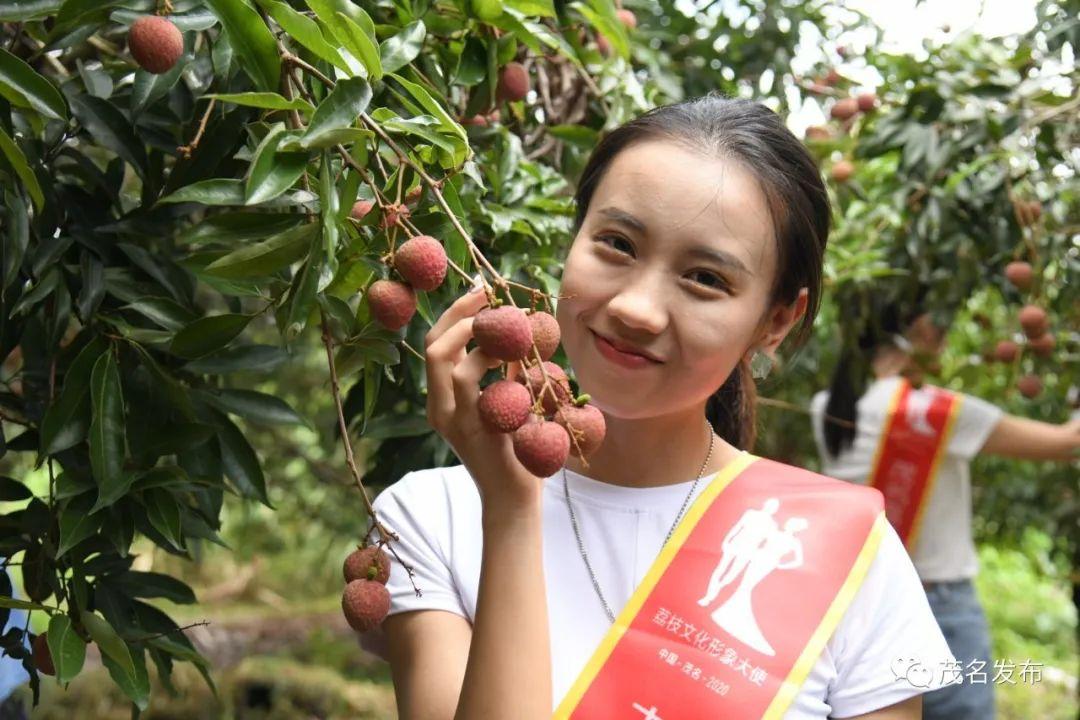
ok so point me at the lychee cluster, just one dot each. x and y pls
(155, 43)
(538, 408)
(366, 601)
(422, 262)
(1034, 322)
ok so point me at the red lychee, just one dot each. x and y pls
(1043, 345)
(361, 208)
(422, 262)
(588, 425)
(1029, 386)
(866, 101)
(1006, 351)
(367, 563)
(413, 195)
(561, 384)
(392, 303)
(503, 332)
(1020, 274)
(155, 43)
(513, 82)
(1033, 320)
(832, 77)
(842, 171)
(394, 214)
(546, 333)
(845, 108)
(365, 604)
(41, 655)
(477, 120)
(504, 406)
(541, 446)
(817, 132)
(603, 45)
(627, 18)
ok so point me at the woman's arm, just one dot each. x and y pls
(1025, 439)
(910, 709)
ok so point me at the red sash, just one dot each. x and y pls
(917, 431)
(777, 560)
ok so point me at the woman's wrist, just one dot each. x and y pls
(512, 513)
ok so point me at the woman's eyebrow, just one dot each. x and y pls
(721, 257)
(624, 218)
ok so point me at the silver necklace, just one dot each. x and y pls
(577, 533)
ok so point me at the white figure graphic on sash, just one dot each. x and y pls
(778, 550)
(918, 407)
(739, 544)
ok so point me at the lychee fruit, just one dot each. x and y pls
(588, 426)
(361, 208)
(365, 604)
(392, 303)
(477, 120)
(422, 262)
(546, 333)
(627, 18)
(866, 101)
(845, 108)
(842, 171)
(503, 332)
(817, 132)
(394, 214)
(513, 82)
(155, 43)
(413, 195)
(603, 45)
(41, 655)
(504, 406)
(1029, 386)
(541, 446)
(1020, 274)
(551, 399)
(1034, 210)
(367, 563)
(1033, 320)
(1006, 351)
(1043, 345)
(832, 77)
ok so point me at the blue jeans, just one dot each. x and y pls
(963, 622)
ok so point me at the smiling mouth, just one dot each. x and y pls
(621, 357)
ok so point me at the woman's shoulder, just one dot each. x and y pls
(439, 490)
(795, 479)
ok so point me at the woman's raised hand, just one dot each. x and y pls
(453, 379)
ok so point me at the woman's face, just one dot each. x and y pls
(675, 259)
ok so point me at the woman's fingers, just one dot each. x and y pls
(466, 377)
(465, 306)
(440, 358)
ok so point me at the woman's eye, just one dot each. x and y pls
(709, 279)
(619, 244)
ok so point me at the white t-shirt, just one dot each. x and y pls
(943, 549)
(437, 514)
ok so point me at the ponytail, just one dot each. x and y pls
(848, 383)
(732, 410)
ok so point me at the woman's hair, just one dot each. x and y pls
(754, 136)
(884, 321)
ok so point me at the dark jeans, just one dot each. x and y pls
(963, 622)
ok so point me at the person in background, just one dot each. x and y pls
(878, 424)
(12, 674)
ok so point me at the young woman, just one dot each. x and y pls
(675, 576)
(916, 445)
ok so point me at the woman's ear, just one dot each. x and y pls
(779, 322)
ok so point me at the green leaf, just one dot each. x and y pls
(67, 420)
(306, 31)
(250, 358)
(304, 287)
(66, 647)
(271, 173)
(422, 96)
(136, 684)
(359, 43)
(154, 585)
(149, 87)
(195, 19)
(255, 406)
(12, 489)
(14, 604)
(227, 191)
(339, 110)
(108, 126)
(239, 460)
(107, 428)
(163, 512)
(18, 163)
(76, 522)
(110, 643)
(541, 8)
(265, 100)
(23, 87)
(74, 13)
(165, 312)
(403, 48)
(26, 10)
(208, 334)
(266, 257)
(16, 236)
(252, 40)
(237, 228)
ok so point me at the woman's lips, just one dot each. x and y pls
(624, 359)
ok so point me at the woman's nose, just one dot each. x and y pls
(640, 305)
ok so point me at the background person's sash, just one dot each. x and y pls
(908, 454)
(665, 658)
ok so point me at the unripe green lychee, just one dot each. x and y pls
(546, 333)
(503, 332)
(1020, 274)
(1006, 351)
(842, 171)
(361, 208)
(367, 563)
(155, 43)
(534, 379)
(1033, 320)
(513, 82)
(627, 18)
(365, 604)
(845, 108)
(422, 262)
(588, 426)
(541, 446)
(41, 655)
(1030, 386)
(1043, 345)
(504, 406)
(392, 303)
